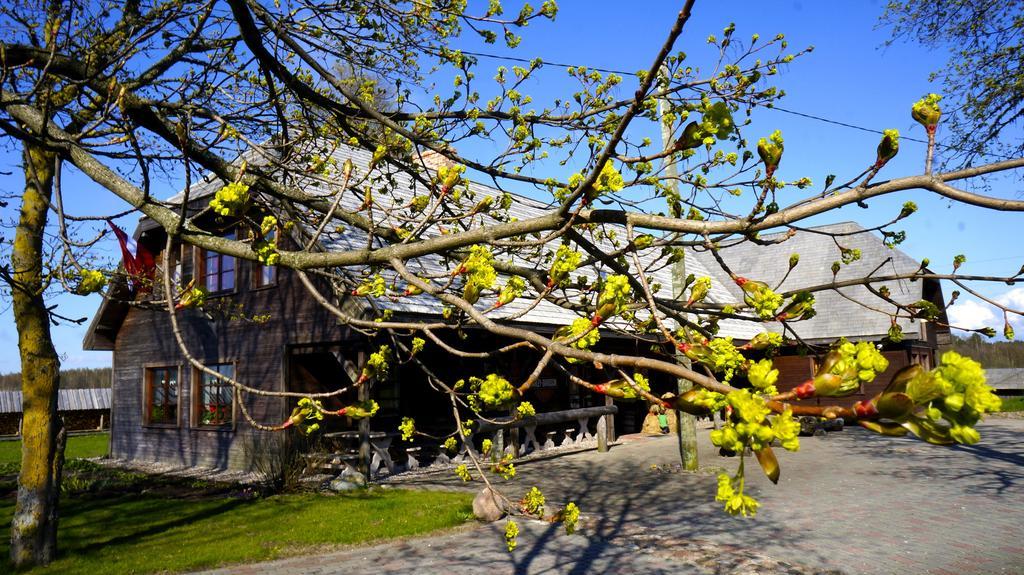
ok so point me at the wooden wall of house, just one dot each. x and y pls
(257, 350)
(794, 370)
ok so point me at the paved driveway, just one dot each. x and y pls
(851, 501)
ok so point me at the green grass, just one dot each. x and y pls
(1013, 404)
(91, 445)
(146, 534)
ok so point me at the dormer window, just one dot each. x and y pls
(217, 272)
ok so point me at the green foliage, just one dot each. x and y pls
(192, 296)
(378, 364)
(306, 415)
(570, 516)
(579, 327)
(514, 288)
(888, 147)
(723, 358)
(417, 345)
(511, 533)
(373, 287)
(89, 281)
(699, 290)
(525, 409)
(231, 200)
(494, 391)
(765, 340)
(760, 297)
(763, 376)
(730, 492)
(926, 111)
(770, 150)
(533, 502)
(608, 180)
(614, 296)
(849, 255)
(566, 261)
(940, 406)
(845, 368)
(450, 444)
(479, 270)
(504, 467)
(408, 428)
(362, 410)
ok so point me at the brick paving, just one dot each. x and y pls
(851, 501)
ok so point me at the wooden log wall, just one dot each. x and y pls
(256, 349)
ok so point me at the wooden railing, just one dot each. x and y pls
(518, 437)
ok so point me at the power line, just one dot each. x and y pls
(772, 107)
(529, 61)
(873, 131)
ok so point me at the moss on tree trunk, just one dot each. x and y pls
(34, 528)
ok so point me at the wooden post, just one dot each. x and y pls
(498, 447)
(686, 427)
(364, 426)
(610, 424)
(513, 437)
(602, 433)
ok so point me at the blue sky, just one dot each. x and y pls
(849, 77)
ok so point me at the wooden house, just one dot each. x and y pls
(263, 327)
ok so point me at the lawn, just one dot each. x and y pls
(1013, 404)
(91, 445)
(148, 534)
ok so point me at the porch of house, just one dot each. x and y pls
(568, 418)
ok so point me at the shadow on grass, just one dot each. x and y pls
(147, 518)
(148, 533)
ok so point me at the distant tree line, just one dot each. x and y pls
(989, 353)
(78, 378)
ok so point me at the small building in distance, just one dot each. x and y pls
(82, 409)
(1007, 381)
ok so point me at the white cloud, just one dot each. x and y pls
(970, 314)
(1012, 299)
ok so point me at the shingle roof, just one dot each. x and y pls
(839, 313)
(390, 209)
(67, 400)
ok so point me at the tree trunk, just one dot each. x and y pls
(34, 528)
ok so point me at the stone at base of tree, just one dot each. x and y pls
(488, 506)
(833, 424)
(347, 482)
(808, 425)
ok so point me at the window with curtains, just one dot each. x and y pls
(263, 276)
(217, 272)
(213, 398)
(161, 401)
